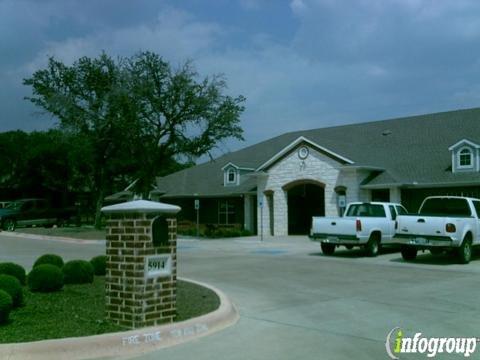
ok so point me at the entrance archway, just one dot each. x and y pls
(306, 198)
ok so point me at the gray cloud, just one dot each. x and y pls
(343, 61)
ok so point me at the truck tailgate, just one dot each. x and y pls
(334, 226)
(421, 225)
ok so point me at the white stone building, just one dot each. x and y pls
(276, 186)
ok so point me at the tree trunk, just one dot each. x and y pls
(98, 208)
(99, 202)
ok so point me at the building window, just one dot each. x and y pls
(226, 212)
(231, 176)
(382, 195)
(465, 158)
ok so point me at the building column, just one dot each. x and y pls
(280, 212)
(248, 212)
(395, 195)
(263, 214)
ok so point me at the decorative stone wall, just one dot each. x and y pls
(133, 298)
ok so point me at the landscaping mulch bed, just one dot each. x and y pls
(78, 310)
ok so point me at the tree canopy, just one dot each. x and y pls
(42, 162)
(136, 114)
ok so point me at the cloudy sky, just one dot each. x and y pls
(300, 63)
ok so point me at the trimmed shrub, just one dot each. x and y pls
(12, 286)
(14, 270)
(51, 259)
(45, 278)
(78, 272)
(99, 264)
(6, 304)
(224, 232)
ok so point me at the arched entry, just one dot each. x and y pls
(306, 198)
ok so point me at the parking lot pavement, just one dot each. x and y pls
(25, 251)
(296, 303)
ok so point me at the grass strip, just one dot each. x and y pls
(78, 310)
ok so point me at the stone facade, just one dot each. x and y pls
(132, 299)
(317, 167)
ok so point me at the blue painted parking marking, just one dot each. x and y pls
(270, 251)
(186, 247)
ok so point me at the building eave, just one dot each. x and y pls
(362, 167)
(200, 196)
(380, 186)
(442, 184)
(235, 166)
(416, 185)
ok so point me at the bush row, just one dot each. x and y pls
(215, 232)
(11, 295)
(6, 304)
(49, 273)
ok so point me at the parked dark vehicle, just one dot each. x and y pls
(33, 212)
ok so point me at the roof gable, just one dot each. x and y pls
(300, 140)
(231, 164)
(464, 142)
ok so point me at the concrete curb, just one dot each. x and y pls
(129, 343)
(50, 238)
(69, 239)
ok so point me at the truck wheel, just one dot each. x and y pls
(464, 254)
(409, 253)
(9, 225)
(373, 246)
(349, 247)
(327, 249)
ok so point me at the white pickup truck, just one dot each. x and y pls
(368, 225)
(442, 223)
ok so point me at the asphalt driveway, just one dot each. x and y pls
(297, 304)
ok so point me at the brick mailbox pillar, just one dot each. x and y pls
(141, 277)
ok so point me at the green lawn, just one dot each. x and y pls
(78, 310)
(76, 232)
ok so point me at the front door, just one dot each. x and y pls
(304, 201)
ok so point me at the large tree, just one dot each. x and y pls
(137, 113)
(178, 115)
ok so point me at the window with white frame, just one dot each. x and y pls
(226, 212)
(465, 158)
(231, 176)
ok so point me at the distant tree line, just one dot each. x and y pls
(42, 162)
(58, 165)
(120, 120)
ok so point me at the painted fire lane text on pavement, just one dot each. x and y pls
(145, 338)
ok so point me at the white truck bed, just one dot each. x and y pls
(443, 222)
(364, 224)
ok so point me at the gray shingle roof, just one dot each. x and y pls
(415, 150)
